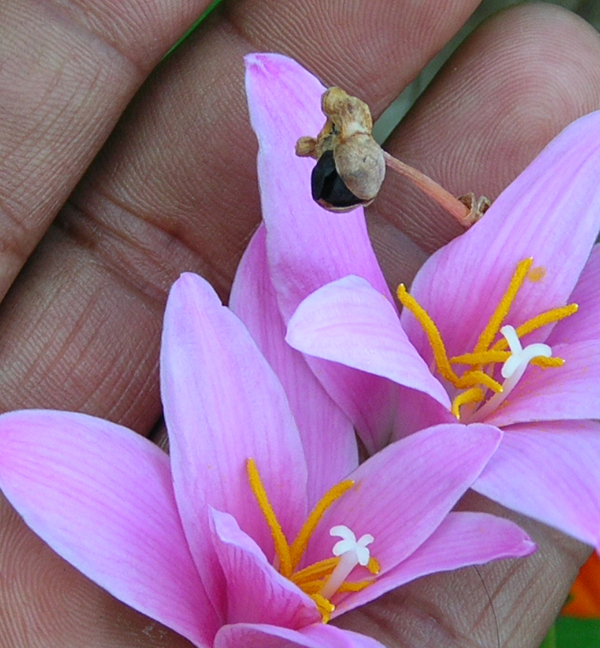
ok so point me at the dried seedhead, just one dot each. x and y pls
(350, 164)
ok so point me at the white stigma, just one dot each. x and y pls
(520, 357)
(352, 552)
(513, 369)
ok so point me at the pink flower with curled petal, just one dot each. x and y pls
(229, 540)
(505, 319)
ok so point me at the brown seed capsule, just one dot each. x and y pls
(350, 164)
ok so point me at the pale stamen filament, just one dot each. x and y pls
(512, 370)
(352, 552)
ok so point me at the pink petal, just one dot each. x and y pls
(418, 411)
(253, 300)
(223, 405)
(585, 324)
(567, 392)
(551, 212)
(347, 321)
(549, 471)
(462, 539)
(101, 497)
(313, 636)
(402, 493)
(308, 246)
(256, 592)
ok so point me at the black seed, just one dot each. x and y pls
(327, 186)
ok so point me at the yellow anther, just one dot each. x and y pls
(373, 566)
(482, 358)
(472, 378)
(354, 587)
(543, 319)
(299, 545)
(493, 326)
(282, 548)
(432, 332)
(325, 606)
(473, 395)
(548, 362)
(318, 571)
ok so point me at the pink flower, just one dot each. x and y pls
(218, 540)
(491, 315)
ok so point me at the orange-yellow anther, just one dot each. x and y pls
(282, 548)
(482, 358)
(317, 571)
(432, 332)
(548, 362)
(493, 326)
(472, 378)
(299, 545)
(543, 319)
(473, 395)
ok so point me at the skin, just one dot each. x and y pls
(112, 184)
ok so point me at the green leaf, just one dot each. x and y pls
(576, 633)
(550, 640)
(213, 5)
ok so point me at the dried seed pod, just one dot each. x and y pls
(350, 164)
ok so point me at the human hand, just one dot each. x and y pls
(175, 189)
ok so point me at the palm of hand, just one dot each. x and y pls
(174, 189)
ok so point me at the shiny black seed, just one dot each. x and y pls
(327, 186)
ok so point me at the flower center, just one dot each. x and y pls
(323, 579)
(478, 389)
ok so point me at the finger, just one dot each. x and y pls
(513, 86)
(68, 70)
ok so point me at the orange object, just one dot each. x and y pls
(584, 600)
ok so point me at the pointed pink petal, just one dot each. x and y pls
(585, 324)
(347, 321)
(256, 592)
(101, 497)
(551, 212)
(567, 392)
(402, 493)
(318, 635)
(223, 405)
(549, 471)
(462, 539)
(308, 246)
(253, 300)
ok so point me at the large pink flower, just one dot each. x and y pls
(218, 540)
(482, 313)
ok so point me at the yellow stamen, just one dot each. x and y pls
(493, 326)
(325, 606)
(473, 395)
(354, 587)
(432, 332)
(282, 548)
(299, 545)
(472, 378)
(319, 570)
(548, 362)
(543, 319)
(482, 358)
(373, 566)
